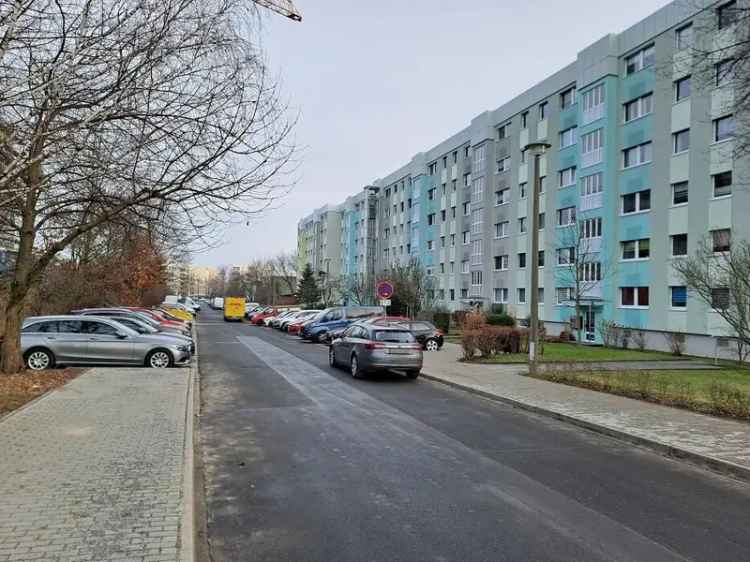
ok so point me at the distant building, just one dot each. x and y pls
(200, 278)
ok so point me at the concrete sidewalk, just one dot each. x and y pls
(95, 471)
(721, 444)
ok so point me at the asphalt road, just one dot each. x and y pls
(303, 463)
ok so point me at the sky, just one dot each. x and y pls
(374, 82)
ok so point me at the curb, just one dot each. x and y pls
(703, 461)
(187, 521)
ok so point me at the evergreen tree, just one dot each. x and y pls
(308, 292)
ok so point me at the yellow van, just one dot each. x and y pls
(178, 312)
(234, 308)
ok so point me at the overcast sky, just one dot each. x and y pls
(376, 81)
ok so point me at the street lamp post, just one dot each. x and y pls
(534, 150)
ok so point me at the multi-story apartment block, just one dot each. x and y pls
(640, 171)
(319, 241)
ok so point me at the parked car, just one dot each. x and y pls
(426, 334)
(178, 311)
(249, 307)
(338, 317)
(160, 317)
(297, 326)
(365, 348)
(142, 327)
(298, 318)
(258, 317)
(276, 322)
(124, 312)
(379, 320)
(47, 341)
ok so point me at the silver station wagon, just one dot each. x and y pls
(368, 347)
(50, 340)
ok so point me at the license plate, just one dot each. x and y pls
(399, 351)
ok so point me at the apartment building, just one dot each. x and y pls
(640, 170)
(319, 241)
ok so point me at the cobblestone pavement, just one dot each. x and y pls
(719, 442)
(93, 471)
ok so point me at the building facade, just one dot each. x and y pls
(640, 170)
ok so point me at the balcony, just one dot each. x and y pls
(453, 199)
(443, 202)
(442, 229)
(444, 175)
(591, 245)
(593, 201)
(593, 113)
(591, 158)
(452, 253)
(454, 171)
(592, 292)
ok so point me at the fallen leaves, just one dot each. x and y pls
(17, 389)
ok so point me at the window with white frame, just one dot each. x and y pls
(501, 262)
(500, 295)
(679, 193)
(466, 237)
(722, 183)
(567, 177)
(634, 297)
(565, 294)
(503, 165)
(480, 154)
(637, 202)
(681, 141)
(591, 228)
(566, 216)
(477, 190)
(501, 229)
(521, 292)
(639, 60)
(720, 298)
(542, 184)
(467, 180)
(476, 221)
(476, 252)
(476, 283)
(638, 107)
(683, 37)
(721, 239)
(591, 271)
(521, 260)
(502, 196)
(592, 184)
(679, 244)
(637, 155)
(524, 119)
(568, 137)
(678, 296)
(683, 88)
(465, 266)
(541, 221)
(522, 225)
(502, 131)
(593, 98)
(568, 98)
(467, 209)
(522, 190)
(636, 249)
(566, 256)
(543, 111)
(540, 258)
(591, 146)
(724, 128)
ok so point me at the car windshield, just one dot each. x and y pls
(394, 336)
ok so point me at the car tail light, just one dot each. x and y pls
(374, 345)
(415, 346)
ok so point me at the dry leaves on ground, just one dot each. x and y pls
(16, 390)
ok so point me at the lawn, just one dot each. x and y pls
(565, 352)
(722, 392)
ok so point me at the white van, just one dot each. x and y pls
(171, 299)
(218, 303)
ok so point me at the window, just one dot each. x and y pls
(502, 131)
(679, 245)
(721, 239)
(443, 215)
(98, 328)
(591, 146)
(467, 209)
(566, 256)
(636, 202)
(680, 193)
(501, 262)
(476, 252)
(522, 190)
(678, 296)
(465, 266)
(567, 98)
(542, 184)
(638, 107)
(430, 245)
(476, 222)
(725, 72)
(522, 225)
(464, 293)
(723, 128)
(467, 180)
(500, 294)
(564, 294)
(521, 260)
(431, 194)
(722, 184)
(476, 283)
(540, 222)
(477, 193)
(524, 119)
(727, 14)
(540, 258)
(567, 176)
(522, 296)
(593, 98)
(682, 88)
(720, 298)
(501, 229)
(568, 137)
(540, 295)
(502, 196)
(566, 216)
(543, 111)
(591, 271)
(592, 184)
(636, 155)
(680, 141)
(636, 249)
(453, 240)
(634, 297)
(466, 238)
(41, 328)
(590, 228)
(639, 60)
(478, 161)
(503, 165)
(684, 37)
(430, 219)
(453, 294)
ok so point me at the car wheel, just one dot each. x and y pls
(354, 367)
(412, 374)
(431, 345)
(159, 359)
(39, 359)
(332, 357)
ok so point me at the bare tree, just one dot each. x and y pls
(359, 289)
(284, 267)
(413, 289)
(581, 264)
(721, 279)
(161, 111)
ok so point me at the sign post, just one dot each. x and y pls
(385, 292)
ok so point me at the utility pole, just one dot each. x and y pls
(534, 150)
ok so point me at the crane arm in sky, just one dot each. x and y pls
(284, 7)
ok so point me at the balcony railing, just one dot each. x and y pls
(593, 201)
(591, 158)
(593, 113)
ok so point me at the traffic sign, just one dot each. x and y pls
(385, 290)
(385, 302)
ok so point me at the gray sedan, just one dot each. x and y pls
(363, 348)
(50, 340)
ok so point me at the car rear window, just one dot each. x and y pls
(421, 326)
(395, 336)
(364, 311)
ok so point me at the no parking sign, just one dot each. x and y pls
(385, 290)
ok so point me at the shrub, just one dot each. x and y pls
(497, 308)
(729, 400)
(469, 344)
(490, 340)
(473, 321)
(639, 339)
(608, 330)
(501, 320)
(676, 342)
(442, 320)
(487, 341)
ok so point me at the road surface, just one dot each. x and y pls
(304, 463)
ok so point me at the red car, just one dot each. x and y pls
(159, 317)
(258, 318)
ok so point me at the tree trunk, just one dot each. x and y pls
(11, 360)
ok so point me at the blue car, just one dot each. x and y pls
(336, 318)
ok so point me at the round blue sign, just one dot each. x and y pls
(385, 290)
